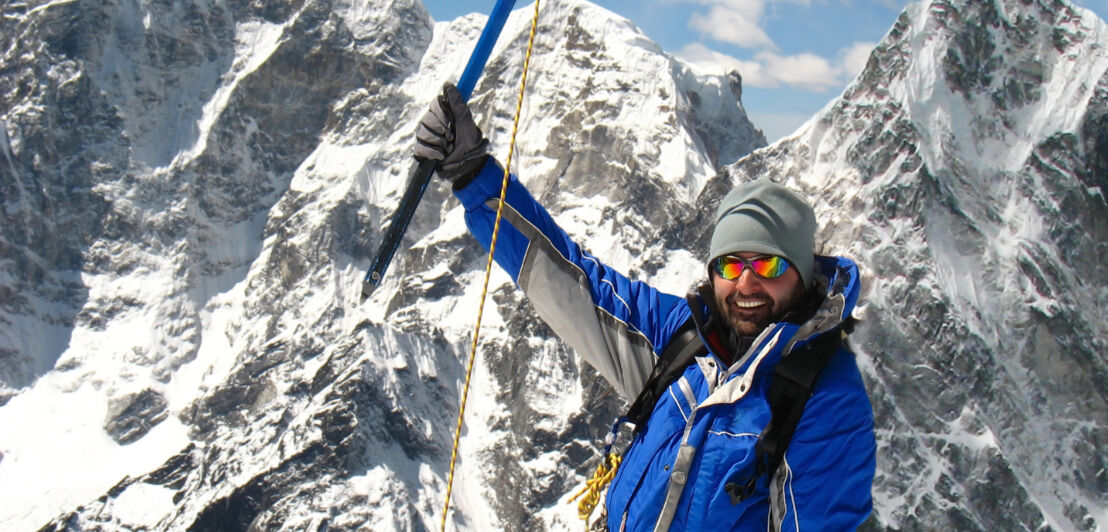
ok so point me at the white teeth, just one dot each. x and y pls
(749, 304)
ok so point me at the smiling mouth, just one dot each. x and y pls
(749, 304)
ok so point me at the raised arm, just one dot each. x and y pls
(614, 323)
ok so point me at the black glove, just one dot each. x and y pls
(448, 135)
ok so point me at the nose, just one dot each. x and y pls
(746, 281)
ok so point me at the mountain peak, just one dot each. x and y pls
(963, 170)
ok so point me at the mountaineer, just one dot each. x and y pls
(749, 413)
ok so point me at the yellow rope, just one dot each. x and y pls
(488, 268)
(603, 476)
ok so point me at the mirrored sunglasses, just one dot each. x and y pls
(731, 267)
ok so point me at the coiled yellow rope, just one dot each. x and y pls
(603, 476)
(488, 268)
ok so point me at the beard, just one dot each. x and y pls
(748, 322)
(752, 321)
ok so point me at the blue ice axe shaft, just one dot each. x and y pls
(423, 173)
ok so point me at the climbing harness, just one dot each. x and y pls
(488, 266)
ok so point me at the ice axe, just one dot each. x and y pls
(425, 170)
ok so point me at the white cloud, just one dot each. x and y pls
(714, 62)
(736, 22)
(854, 58)
(806, 71)
(739, 22)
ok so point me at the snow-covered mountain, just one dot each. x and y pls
(191, 193)
(966, 169)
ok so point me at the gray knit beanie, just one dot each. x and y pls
(765, 217)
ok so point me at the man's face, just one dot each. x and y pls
(749, 303)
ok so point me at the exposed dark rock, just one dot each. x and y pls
(132, 416)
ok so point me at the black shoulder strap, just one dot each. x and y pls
(682, 347)
(793, 380)
(792, 384)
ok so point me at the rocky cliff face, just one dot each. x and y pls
(191, 193)
(964, 169)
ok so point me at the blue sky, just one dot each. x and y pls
(794, 55)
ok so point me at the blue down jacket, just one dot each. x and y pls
(702, 433)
